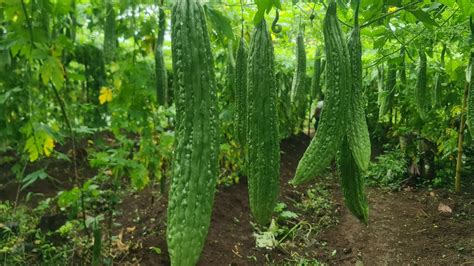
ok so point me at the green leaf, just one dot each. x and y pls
(266, 240)
(374, 8)
(264, 6)
(258, 16)
(5, 59)
(221, 23)
(139, 176)
(379, 42)
(394, 2)
(467, 7)
(4, 97)
(424, 17)
(285, 215)
(448, 3)
(157, 250)
(277, 4)
(68, 198)
(33, 148)
(33, 177)
(52, 70)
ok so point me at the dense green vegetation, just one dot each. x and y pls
(103, 99)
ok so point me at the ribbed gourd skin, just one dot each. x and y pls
(324, 145)
(263, 143)
(316, 78)
(422, 95)
(437, 90)
(403, 72)
(298, 87)
(241, 93)
(470, 98)
(352, 182)
(109, 33)
(386, 100)
(195, 163)
(438, 80)
(160, 68)
(357, 131)
(354, 154)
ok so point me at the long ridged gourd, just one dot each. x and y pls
(110, 38)
(422, 95)
(402, 72)
(316, 79)
(331, 129)
(195, 162)
(438, 80)
(241, 93)
(298, 87)
(352, 182)
(285, 126)
(380, 85)
(263, 144)
(387, 97)
(354, 154)
(470, 97)
(437, 89)
(227, 93)
(160, 68)
(357, 130)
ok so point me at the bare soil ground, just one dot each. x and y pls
(405, 227)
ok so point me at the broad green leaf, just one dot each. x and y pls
(424, 17)
(379, 42)
(448, 3)
(68, 198)
(467, 7)
(52, 71)
(33, 149)
(139, 177)
(4, 97)
(33, 177)
(258, 16)
(220, 22)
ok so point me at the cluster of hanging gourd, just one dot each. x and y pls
(342, 132)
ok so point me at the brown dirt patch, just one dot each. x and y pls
(405, 227)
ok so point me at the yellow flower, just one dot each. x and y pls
(105, 95)
(48, 146)
(392, 9)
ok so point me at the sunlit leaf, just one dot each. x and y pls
(48, 146)
(424, 17)
(220, 22)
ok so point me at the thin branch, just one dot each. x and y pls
(345, 24)
(401, 42)
(389, 14)
(28, 22)
(74, 153)
(409, 41)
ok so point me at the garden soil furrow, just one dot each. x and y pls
(404, 227)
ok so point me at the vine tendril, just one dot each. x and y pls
(276, 28)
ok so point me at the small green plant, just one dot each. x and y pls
(389, 170)
(22, 240)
